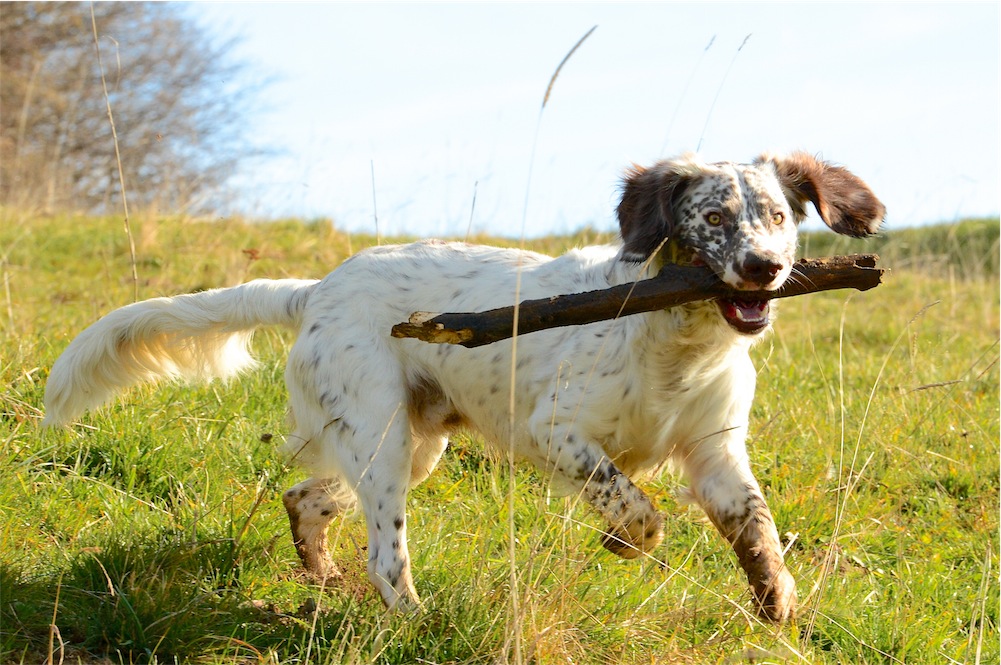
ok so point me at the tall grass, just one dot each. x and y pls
(153, 532)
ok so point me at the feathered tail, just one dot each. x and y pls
(196, 336)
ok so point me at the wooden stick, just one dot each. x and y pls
(674, 285)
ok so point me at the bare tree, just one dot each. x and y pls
(178, 101)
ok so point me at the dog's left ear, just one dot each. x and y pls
(843, 201)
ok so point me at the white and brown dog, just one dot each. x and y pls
(594, 406)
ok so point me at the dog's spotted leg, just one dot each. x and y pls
(733, 501)
(378, 465)
(634, 525)
(311, 506)
(388, 558)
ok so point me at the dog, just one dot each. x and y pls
(594, 406)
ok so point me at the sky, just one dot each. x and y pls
(427, 119)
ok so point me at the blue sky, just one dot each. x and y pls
(442, 101)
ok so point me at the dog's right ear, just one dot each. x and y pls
(646, 211)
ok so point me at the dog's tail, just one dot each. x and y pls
(196, 336)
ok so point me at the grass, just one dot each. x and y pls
(153, 530)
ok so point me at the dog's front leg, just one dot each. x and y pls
(634, 524)
(726, 489)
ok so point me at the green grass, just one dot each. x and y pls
(153, 530)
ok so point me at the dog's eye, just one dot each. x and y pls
(778, 217)
(714, 218)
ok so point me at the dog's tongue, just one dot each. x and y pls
(745, 316)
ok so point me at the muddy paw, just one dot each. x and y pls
(635, 539)
(776, 597)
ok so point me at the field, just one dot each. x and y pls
(153, 531)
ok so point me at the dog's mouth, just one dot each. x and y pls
(745, 316)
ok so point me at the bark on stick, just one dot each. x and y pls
(674, 285)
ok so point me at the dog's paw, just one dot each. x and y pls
(320, 569)
(776, 598)
(632, 540)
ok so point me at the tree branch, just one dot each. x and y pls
(674, 285)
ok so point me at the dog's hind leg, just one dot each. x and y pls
(382, 479)
(351, 409)
(372, 448)
(388, 557)
(311, 506)
(375, 461)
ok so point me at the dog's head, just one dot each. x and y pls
(740, 219)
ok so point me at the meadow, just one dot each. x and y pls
(153, 531)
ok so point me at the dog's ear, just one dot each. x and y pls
(843, 201)
(646, 210)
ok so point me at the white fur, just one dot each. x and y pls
(197, 336)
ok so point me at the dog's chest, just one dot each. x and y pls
(682, 396)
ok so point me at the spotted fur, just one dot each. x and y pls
(595, 406)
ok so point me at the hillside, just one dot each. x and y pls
(153, 530)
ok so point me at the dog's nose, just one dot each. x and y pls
(760, 268)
